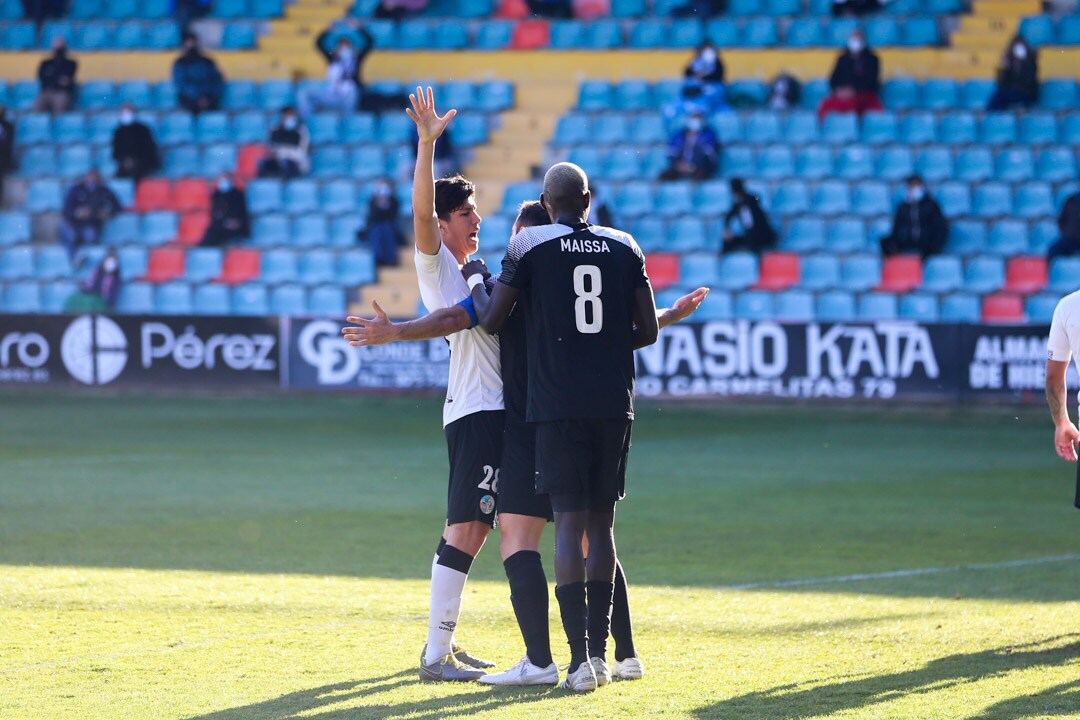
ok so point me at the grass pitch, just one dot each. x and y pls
(249, 558)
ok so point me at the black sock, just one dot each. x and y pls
(442, 544)
(599, 594)
(575, 621)
(622, 631)
(455, 559)
(529, 596)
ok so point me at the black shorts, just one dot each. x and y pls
(582, 463)
(517, 481)
(475, 446)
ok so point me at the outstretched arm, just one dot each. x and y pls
(491, 312)
(1065, 433)
(379, 330)
(429, 126)
(646, 325)
(683, 308)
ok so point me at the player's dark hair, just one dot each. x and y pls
(531, 214)
(451, 194)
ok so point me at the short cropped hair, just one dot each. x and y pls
(531, 214)
(451, 194)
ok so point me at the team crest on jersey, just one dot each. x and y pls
(487, 504)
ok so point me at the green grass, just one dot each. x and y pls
(247, 558)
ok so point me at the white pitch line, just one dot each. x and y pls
(903, 573)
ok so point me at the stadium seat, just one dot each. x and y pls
(312, 230)
(1059, 94)
(1008, 237)
(14, 227)
(859, 273)
(794, 306)
(22, 297)
(240, 95)
(847, 235)
(165, 264)
(895, 163)
(338, 196)
(1040, 308)
(189, 195)
(159, 227)
(531, 35)
(776, 162)
(954, 199)
(301, 196)
(832, 198)
(240, 265)
(1055, 164)
(901, 274)
(804, 234)
(1015, 165)
(55, 295)
(918, 128)
(203, 264)
(1038, 129)
(900, 93)
(791, 198)
(975, 164)
(675, 198)
(779, 271)
(920, 307)
(940, 94)
(182, 161)
(275, 94)
(871, 199)
(814, 163)
(960, 307)
(279, 266)
(38, 161)
(835, 306)
(879, 128)
(17, 263)
(663, 269)
(855, 162)
(288, 300)
(738, 271)
(699, 270)
(173, 298)
(967, 237)
(877, 306)
(1063, 274)
(264, 196)
(192, 227)
(763, 128)
(134, 261)
(958, 128)
(355, 267)
(70, 128)
(153, 194)
(840, 128)
(44, 196)
(51, 263)
(754, 305)
(737, 161)
(687, 234)
(250, 299)
(984, 275)
(493, 35)
(1034, 200)
(271, 230)
(801, 128)
(713, 197)
(236, 36)
(211, 300)
(123, 228)
(1026, 275)
(1043, 234)
(998, 129)
(1003, 308)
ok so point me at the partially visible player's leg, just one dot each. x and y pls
(627, 665)
(570, 587)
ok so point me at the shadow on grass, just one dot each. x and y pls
(316, 703)
(841, 695)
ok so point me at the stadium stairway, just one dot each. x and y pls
(988, 28)
(304, 20)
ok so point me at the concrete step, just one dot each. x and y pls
(324, 14)
(987, 24)
(528, 123)
(397, 290)
(1007, 8)
(547, 99)
(982, 41)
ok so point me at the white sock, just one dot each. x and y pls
(447, 586)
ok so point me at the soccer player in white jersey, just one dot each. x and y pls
(1063, 344)
(447, 226)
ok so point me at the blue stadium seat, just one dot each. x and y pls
(713, 197)
(879, 128)
(327, 302)
(755, 305)
(647, 129)
(855, 162)
(814, 91)
(791, 198)
(871, 198)
(737, 161)
(74, 160)
(22, 297)
(173, 298)
(250, 127)
(573, 129)
(794, 306)
(776, 162)
(918, 128)
(231, 9)
(567, 35)
(97, 95)
(55, 294)
(920, 307)
(159, 227)
(814, 163)
(882, 32)
(317, 266)
(324, 127)
(270, 230)
(38, 161)
(471, 129)
(993, 199)
(368, 162)
(54, 29)
(943, 273)
(895, 163)
(331, 161)
(675, 198)
(35, 128)
(877, 306)
(840, 128)
(1034, 200)
(14, 227)
(960, 307)
(738, 271)
(633, 95)
(687, 234)
(356, 267)
(805, 234)
(900, 93)
(1016, 165)
(166, 35)
(264, 195)
(1056, 164)
(280, 266)
(165, 95)
(1008, 237)
(218, 158)
(847, 235)
(832, 197)
(699, 269)
(1043, 234)
(940, 94)
(835, 306)
(954, 199)
(493, 35)
(998, 129)
(93, 36)
(250, 299)
(1063, 274)
(44, 196)
(21, 95)
(649, 34)
(1069, 30)
(338, 196)
(935, 164)
(276, 94)
(859, 273)
(801, 128)
(650, 233)
(974, 164)
(301, 196)
(124, 228)
(627, 8)
(203, 264)
(984, 275)
(211, 300)
(129, 36)
(1059, 94)
(343, 229)
(603, 35)
(759, 33)
(958, 128)
(967, 237)
(804, 32)
(176, 128)
(17, 263)
(495, 96)
(1038, 128)
(838, 30)
(763, 128)
(920, 32)
(312, 230)
(51, 263)
(183, 161)
(1040, 308)
(213, 127)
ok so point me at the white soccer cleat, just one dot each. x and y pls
(524, 673)
(600, 669)
(581, 680)
(629, 669)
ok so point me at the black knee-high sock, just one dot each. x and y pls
(599, 594)
(574, 614)
(440, 546)
(622, 631)
(529, 596)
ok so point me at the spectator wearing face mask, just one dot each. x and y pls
(7, 148)
(56, 80)
(1018, 77)
(855, 80)
(133, 147)
(288, 153)
(103, 285)
(855, 7)
(88, 205)
(199, 84)
(342, 89)
(919, 226)
(694, 98)
(229, 219)
(694, 151)
(383, 232)
(706, 71)
(785, 92)
(746, 226)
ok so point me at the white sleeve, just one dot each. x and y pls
(441, 284)
(1057, 346)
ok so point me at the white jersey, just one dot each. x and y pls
(475, 373)
(1064, 342)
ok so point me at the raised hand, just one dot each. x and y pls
(477, 265)
(428, 123)
(685, 306)
(370, 331)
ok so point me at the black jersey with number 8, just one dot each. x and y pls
(580, 283)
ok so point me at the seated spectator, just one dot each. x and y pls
(56, 78)
(187, 10)
(785, 92)
(104, 282)
(229, 219)
(694, 151)
(856, 7)
(39, 10)
(7, 148)
(599, 211)
(1018, 77)
(343, 86)
(199, 84)
(88, 205)
(287, 156)
(919, 226)
(133, 147)
(695, 97)
(706, 65)
(746, 226)
(700, 8)
(561, 9)
(383, 231)
(855, 80)
(400, 9)
(1069, 227)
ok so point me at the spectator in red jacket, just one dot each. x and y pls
(855, 81)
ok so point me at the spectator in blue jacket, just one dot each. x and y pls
(199, 84)
(344, 85)
(694, 151)
(88, 205)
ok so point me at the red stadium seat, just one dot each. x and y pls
(779, 271)
(531, 35)
(1026, 274)
(165, 264)
(247, 163)
(153, 194)
(901, 273)
(191, 194)
(192, 227)
(663, 269)
(1003, 308)
(512, 10)
(591, 9)
(240, 266)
